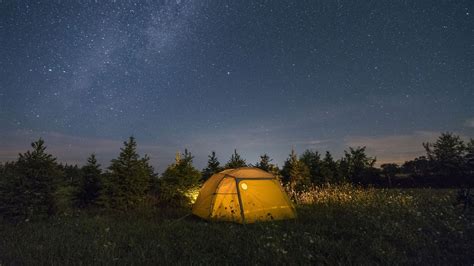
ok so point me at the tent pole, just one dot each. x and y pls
(240, 200)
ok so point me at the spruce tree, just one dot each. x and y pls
(33, 186)
(128, 179)
(329, 169)
(213, 166)
(235, 161)
(178, 184)
(90, 184)
(264, 163)
(312, 159)
(295, 172)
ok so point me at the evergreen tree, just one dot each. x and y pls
(128, 179)
(312, 159)
(329, 169)
(446, 155)
(72, 175)
(179, 182)
(235, 161)
(213, 166)
(31, 189)
(265, 163)
(90, 184)
(295, 172)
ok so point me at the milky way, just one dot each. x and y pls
(259, 76)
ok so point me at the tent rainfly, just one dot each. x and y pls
(243, 195)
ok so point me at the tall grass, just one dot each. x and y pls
(335, 225)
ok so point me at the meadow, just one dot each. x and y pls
(335, 225)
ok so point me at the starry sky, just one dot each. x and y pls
(259, 76)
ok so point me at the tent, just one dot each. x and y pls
(243, 195)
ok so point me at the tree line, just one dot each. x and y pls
(37, 185)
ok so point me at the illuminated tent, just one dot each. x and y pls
(243, 195)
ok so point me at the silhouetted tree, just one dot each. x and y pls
(446, 156)
(264, 163)
(417, 167)
(312, 159)
(128, 179)
(389, 171)
(30, 189)
(354, 163)
(295, 173)
(72, 175)
(90, 185)
(329, 169)
(213, 166)
(179, 180)
(235, 161)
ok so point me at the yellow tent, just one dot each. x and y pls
(243, 195)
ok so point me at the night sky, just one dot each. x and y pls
(259, 76)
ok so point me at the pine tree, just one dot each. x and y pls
(312, 159)
(265, 163)
(212, 166)
(329, 169)
(128, 180)
(295, 172)
(90, 184)
(235, 161)
(179, 182)
(32, 189)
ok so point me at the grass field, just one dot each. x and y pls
(339, 225)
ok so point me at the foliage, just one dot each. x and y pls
(355, 164)
(295, 172)
(389, 171)
(312, 159)
(330, 169)
(128, 180)
(89, 188)
(446, 155)
(235, 161)
(72, 175)
(264, 163)
(29, 187)
(213, 166)
(178, 179)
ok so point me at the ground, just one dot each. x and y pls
(334, 226)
